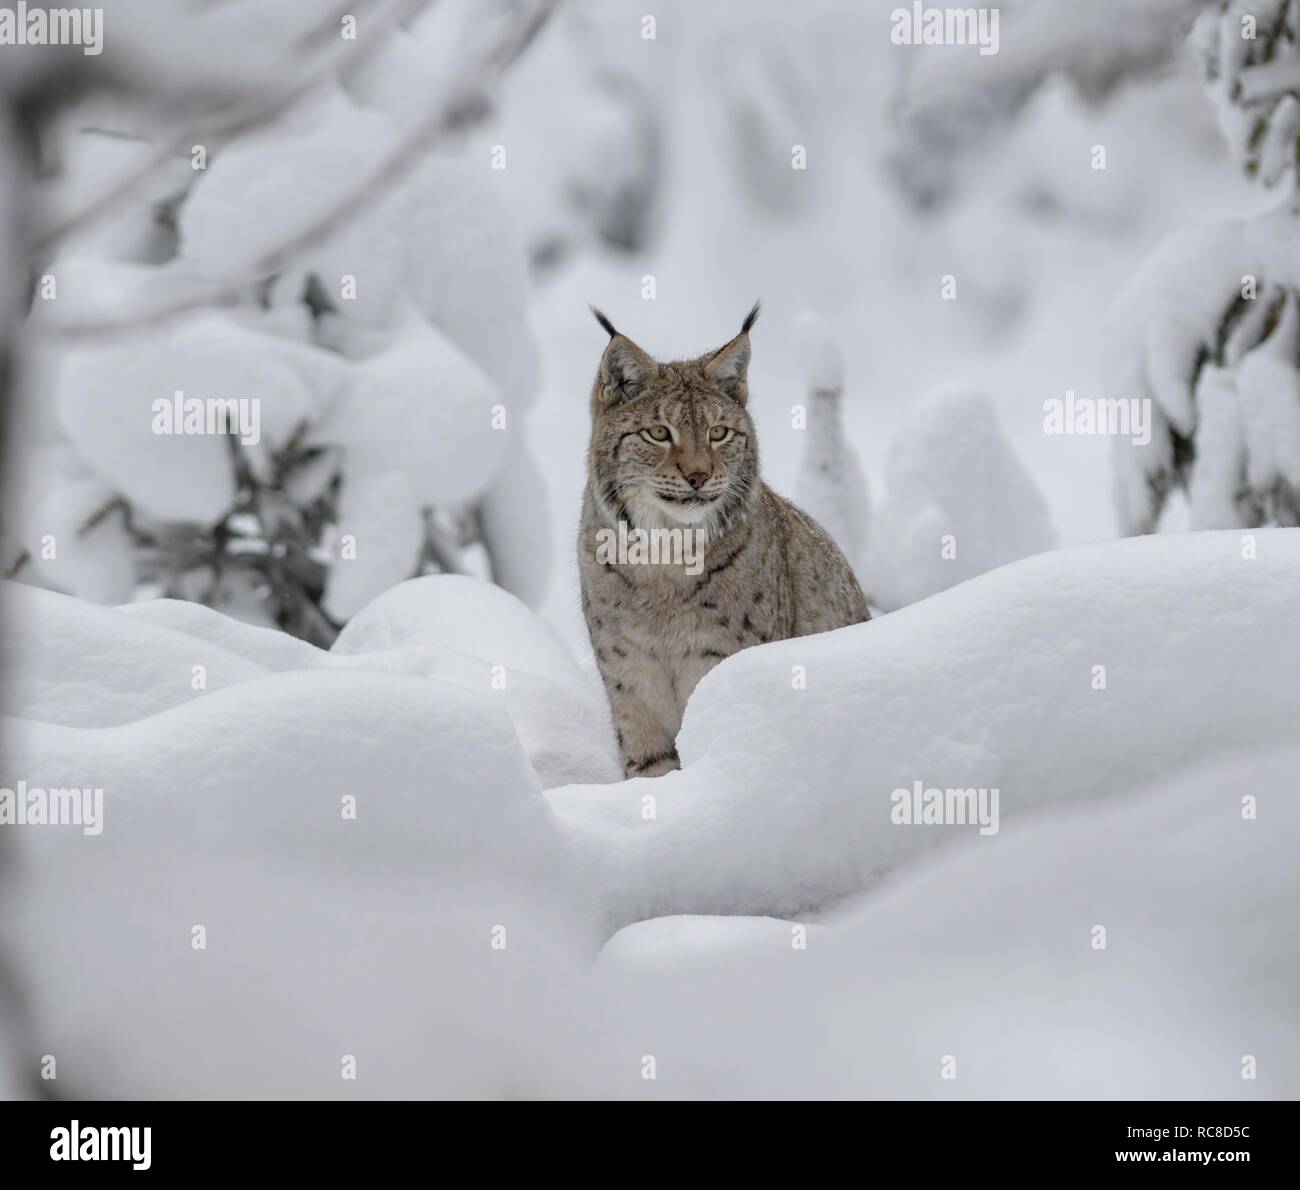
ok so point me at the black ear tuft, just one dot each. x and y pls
(751, 318)
(605, 322)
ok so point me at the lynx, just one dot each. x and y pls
(674, 457)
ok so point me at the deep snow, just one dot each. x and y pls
(328, 935)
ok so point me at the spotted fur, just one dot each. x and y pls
(769, 572)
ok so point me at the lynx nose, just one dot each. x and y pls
(695, 478)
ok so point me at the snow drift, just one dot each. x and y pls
(989, 957)
(365, 839)
(791, 751)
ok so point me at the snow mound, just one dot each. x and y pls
(1172, 650)
(478, 636)
(674, 943)
(267, 648)
(76, 663)
(958, 501)
(565, 731)
(461, 613)
(353, 860)
(319, 930)
(88, 666)
(990, 955)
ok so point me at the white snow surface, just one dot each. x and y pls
(454, 611)
(449, 936)
(86, 666)
(986, 955)
(72, 662)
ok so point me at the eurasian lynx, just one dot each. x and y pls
(673, 469)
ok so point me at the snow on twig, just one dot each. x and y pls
(462, 105)
(261, 110)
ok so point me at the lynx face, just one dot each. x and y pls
(672, 443)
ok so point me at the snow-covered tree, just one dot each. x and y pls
(958, 501)
(949, 103)
(1209, 331)
(830, 485)
(327, 256)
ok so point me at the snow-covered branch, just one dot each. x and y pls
(460, 104)
(272, 99)
(1269, 80)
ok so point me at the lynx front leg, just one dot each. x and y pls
(645, 714)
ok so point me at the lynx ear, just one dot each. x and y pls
(728, 368)
(625, 370)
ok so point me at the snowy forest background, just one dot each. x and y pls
(390, 239)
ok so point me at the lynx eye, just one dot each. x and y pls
(719, 433)
(657, 433)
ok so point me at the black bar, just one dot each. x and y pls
(339, 1139)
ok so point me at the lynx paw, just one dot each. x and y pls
(651, 766)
